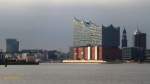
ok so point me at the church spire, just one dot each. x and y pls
(124, 38)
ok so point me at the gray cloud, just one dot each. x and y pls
(49, 26)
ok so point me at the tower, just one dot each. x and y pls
(140, 44)
(124, 38)
(139, 39)
(12, 45)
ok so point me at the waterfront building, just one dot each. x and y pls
(110, 43)
(54, 55)
(132, 53)
(12, 45)
(110, 36)
(140, 42)
(1, 57)
(139, 39)
(86, 33)
(93, 42)
(96, 53)
(147, 55)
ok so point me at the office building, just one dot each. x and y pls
(110, 43)
(132, 53)
(53, 55)
(1, 57)
(139, 39)
(110, 36)
(147, 55)
(12, 45)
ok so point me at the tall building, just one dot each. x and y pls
(137, 52)
(124, 39)
(93, 42)
(140, 42)
(139, 39)
(110, 36)
(85, 33)
(110, 43)
(12, 45)
(1, 57)
(88, 33)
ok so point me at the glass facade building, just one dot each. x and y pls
(110, 36)
(12, 45)
(93, 42)
(86, 33)
(139, 39)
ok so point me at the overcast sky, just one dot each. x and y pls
(47, 24)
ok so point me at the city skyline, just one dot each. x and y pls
(47, 24)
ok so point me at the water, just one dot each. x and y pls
(76, 74)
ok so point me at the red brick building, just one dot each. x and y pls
(96, 53)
